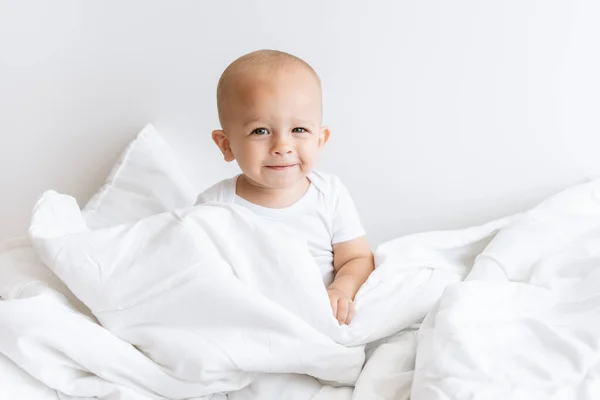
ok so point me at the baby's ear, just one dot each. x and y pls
(218, 136)
(324, 136)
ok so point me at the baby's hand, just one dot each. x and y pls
(342, 305)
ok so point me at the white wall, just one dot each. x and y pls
(444, 114)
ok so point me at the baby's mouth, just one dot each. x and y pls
(281, 167)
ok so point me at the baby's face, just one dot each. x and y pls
(273, 126)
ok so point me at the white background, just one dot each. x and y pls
(444, 113)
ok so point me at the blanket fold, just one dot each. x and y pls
(211, 301)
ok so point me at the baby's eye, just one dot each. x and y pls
(260, 131)
(299, 130)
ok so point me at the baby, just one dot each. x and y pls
(270, 110)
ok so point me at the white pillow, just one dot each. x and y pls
(146, 180)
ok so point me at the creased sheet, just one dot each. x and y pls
(208, 301)
(526, 322)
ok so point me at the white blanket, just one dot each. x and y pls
(526, 322)
(210, 300)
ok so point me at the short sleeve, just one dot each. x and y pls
(209, 195)
(346, 224)
(222, 192)
(201, 199)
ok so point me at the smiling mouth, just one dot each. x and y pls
(280, 167)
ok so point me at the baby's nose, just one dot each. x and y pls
(283, 151)
(282, 146)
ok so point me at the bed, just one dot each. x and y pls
(509, 309)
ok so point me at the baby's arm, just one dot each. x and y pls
(353, 263)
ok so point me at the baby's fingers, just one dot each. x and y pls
(334, 307)
(342, 311)
(350, 312)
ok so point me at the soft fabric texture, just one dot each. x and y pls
(523, 325)
(221, 299)
(324, 216)
(197, 292)
(146, 180)
(526, 322)
(15, 383)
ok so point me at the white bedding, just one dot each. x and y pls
(526, 322)
(205, 301)
(216, 296)
(213, 300)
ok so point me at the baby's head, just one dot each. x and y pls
(270, 109)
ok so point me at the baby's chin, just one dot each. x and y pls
(280, 181)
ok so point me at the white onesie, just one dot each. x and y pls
(324, 216)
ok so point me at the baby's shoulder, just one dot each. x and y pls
(220, 192)
(328, 184)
